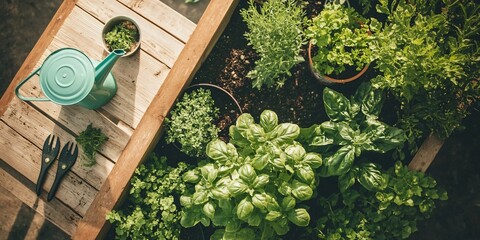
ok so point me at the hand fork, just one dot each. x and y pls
(65, 162)
(49, 153)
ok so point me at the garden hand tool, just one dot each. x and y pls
(49, 153)
(65, 163)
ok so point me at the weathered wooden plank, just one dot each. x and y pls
(35, 127)
(37, 51)
(146, 135)
(155, 41)
(55, 211)
(164, 17)
(426, 153)
(138, 77)
(25, 157)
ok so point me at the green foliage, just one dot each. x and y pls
(391, 212)
(429, 60)
(91, 140)
(153, 213)
(342, 37)
(253, 186)
(191, 122)
(276, 34)
(353, 128)
(122, 36)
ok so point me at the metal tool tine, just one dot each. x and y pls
(46, 144)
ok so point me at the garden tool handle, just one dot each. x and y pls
(17, 89)
(58, 179)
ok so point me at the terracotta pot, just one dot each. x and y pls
(324, 79)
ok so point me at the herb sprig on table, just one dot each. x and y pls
(91, 140)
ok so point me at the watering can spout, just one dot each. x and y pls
(103, 68)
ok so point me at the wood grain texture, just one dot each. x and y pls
(164, 17)
(35, 127)
(426, 153)
(37, 51)
(25, 158)
(55, 211)
(146, 135)
(138, 77)
(160, 44)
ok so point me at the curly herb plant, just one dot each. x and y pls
(122, 36)
(152, 212)
(429, 59)
(91, 140)
(252, 187)
(342, 38)
(191, 123)
(388, 212)
(276, 34)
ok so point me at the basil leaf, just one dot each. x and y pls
(191, 177)
(371, 178)
(209, 210)
(260, 161)
(260, 201)
(284, 133)
(186, 201)
(281, 227)
(313, 159)
(347, 180)
(237, 187)
(299, 217)
(220, 193)
(340, 162)
(301, 191)
(273, 215)
(392, 138)
(189, 219)
(200, 197)
(233, 225)
(247, 173)
(288, 203)
(372, 103)
(305, 174)
(295, 152)
(243, 124)
(209, 172)
(256, 134)
(244, 209)
(346, 132)
(220, 151)
(260, 181)
(237, 138)
(242, 234)
(255, 219)
(337, 106)
(268, 120)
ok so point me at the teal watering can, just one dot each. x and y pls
(69, 77)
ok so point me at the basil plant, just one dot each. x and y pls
(353, 127)
(252, 187)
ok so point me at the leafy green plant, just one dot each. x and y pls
(123, 36)
(253, 186)
(342, 38)
(429, 61)
(276, 34)
(153, 212)
(389, 212)
(191, 123)
(353, 128)
(91, 140)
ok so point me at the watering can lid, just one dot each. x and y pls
(67, 76)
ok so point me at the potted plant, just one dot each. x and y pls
(203, 114)
(121, 32)
(339, 43)
(275, 31)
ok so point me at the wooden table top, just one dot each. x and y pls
(148, 83)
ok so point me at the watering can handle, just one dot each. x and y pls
(17, 89)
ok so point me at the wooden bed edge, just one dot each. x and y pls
(208, 30)
(38, 49)
(426, 153)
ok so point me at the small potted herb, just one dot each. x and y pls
(121, 33)
(191, 122)
(342, 39)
